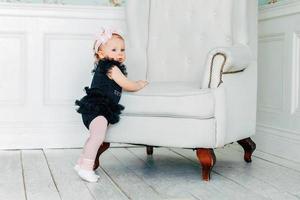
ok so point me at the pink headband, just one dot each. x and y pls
(104, 36)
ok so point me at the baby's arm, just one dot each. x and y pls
(126, 84)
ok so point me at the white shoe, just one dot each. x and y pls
(77, 168)
(88, 175)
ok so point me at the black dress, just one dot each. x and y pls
(103, 96)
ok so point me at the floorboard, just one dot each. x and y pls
(38, 180)
(129, 173)
(11, 176)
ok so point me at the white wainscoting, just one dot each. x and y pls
(278, 117)
(45, 62)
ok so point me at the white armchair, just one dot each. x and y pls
(201, 69)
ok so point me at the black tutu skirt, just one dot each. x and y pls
(96, 103)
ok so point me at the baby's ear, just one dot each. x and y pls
(100, 54)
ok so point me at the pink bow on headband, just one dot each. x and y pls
(104, 36)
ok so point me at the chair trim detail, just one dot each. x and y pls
(221, 70)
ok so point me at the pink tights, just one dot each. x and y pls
(97, 130)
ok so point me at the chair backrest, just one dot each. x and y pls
(169, 39)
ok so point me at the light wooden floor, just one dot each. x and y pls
(128, 173)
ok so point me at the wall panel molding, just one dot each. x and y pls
(270, 39)
(49, 38)
(18, 54)
(61, 11)
(295, 75)
(51, 64)
(278, 133)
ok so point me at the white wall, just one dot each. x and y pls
(45, 62)
(278, 118)
(44, 52)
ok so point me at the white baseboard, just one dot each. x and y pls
(277, 142)
(271, 158)
(59, 136)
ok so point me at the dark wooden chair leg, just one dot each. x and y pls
(149, 150)
(249, 146)
(207, 158)
(102, 148)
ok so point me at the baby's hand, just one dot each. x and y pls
(142, 83)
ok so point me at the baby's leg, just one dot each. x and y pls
(97, 129)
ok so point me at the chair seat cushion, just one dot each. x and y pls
(164, 131)
(170, 99)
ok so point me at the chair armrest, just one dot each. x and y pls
(241, 100)
(225, 60)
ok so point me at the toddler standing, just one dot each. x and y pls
(100, 106)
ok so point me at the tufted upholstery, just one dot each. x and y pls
(188, 102)
(172, 42)
(179, 39)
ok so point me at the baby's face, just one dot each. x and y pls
(114, 48)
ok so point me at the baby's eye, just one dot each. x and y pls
(113, 49)
(122, 50)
